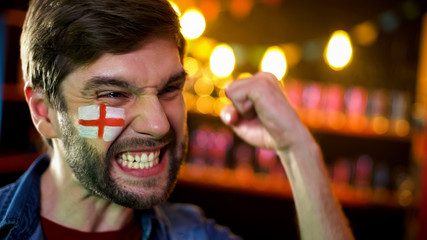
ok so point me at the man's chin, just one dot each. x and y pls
(142, 195)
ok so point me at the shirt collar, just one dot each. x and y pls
(24, 203)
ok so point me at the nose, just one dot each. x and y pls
(150, 117)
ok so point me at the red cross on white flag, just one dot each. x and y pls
(100, 121)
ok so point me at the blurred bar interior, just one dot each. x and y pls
(356, 73)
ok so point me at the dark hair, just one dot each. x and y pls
(61, 35)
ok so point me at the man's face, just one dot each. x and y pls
(147, 84)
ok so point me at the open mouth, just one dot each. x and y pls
(139, 160)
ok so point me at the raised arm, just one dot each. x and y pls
(262, 116)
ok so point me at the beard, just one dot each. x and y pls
(93, 169)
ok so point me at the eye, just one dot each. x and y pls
(172, 89)
(112, 95)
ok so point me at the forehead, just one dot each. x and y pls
(154, 62)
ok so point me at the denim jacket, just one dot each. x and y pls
(20, 214)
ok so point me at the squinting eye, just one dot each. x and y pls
(172, 89)
(112, 95)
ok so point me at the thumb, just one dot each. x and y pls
(229, 115)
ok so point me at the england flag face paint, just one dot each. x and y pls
(101, 121)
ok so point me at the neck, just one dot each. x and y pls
(66, 202)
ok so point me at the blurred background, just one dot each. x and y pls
(356, 73)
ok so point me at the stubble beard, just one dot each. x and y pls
(93, 170)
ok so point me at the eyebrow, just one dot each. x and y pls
(99, 81)
(180, 76)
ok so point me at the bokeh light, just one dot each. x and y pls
(274, 62)
(244, 75)
(205, 105)
(193, 24)
(380, 125)
(293, 53)
(210, 9)
(190, 101)
(402, 128)
(241, 8)
(203, 87)
(191, 65)
(201, 48)
(365, 33)
(339, 51)
(219, 104)
(222, 61)
(175, 7)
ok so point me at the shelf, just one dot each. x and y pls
(363, 130)
(345, 128)
(247, 182)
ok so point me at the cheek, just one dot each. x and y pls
(99, 144)
(101, 122)
(177, 115)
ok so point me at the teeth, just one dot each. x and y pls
(139, 161)
(130, 158)
(135, 165)
(144, 157)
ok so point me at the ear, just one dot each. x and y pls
(41, 112)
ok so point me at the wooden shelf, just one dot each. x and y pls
(247, 182)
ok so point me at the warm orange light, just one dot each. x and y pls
(293, 53)
(205, 105)
(203, 87)
(191, 65)
(201, 48)
(380, 125)
(365, 33)
(241, 8)
(402, 128)
(244, 75)
(210, 9)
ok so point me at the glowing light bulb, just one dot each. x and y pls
(222, 61)
(274, 62)
(193, 24)
(339, 51)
